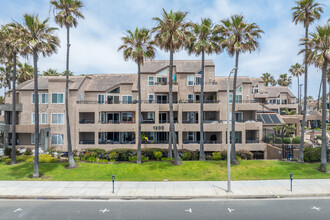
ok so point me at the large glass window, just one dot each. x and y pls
(57, 98)
(127, 116)
(57, 139)
(161, 80)
(239, 98)
(190, 98)
(151, 98)
(44, 98)
(113, 99)
(162, 99)
(126, 99)
(239, 116)
(198, 81)
(42, 118)
(57, 118)
(151, 80)
(190, 80)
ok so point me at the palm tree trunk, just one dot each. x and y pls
(138, 159)
(36, 116)
(172, 129)
(302, 137)
(201, 152)
(233, 115)
(170, 144)
(13, 140)
(298, 96)
(68, 132)
(318, 97)
(323, 166)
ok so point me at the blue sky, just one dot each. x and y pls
(96, 39)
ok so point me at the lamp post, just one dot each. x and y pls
(228, 134)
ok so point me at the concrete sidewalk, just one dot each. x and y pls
(163, 190)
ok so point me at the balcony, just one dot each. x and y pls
(116, 138)
(86, 117)
(194, 138)
(86, 138)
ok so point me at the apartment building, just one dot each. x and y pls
(103, 109)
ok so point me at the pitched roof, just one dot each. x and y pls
(272, 92)
(221, 81)
(104, 82)
(182, 66)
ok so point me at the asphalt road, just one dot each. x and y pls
(317, 208)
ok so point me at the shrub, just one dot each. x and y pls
(216, 156)
(76, 159)
(287, 140)
(186, 156)
(167, 159)
(278, 140)
(312, 154)
(123, 154)
(91, 159)
(296, 140)
(134, 158)
(59, 153)
(245, 154)
(51, 150)
(208, 157)
(46, 158)
(7, 151)
(28, 151)
(113, 155)
(319, 137)
(97, 151)
(158, 155)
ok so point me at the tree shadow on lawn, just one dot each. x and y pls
(25, 170)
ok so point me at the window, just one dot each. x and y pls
(32, 138)
(126, 99)
(44, 98)
(151, 80)
(198, 81)
(278, 101)
(239, 98)
(162, 99)
(239, 116)
(163, 117)
(256, 90)
(150, 136)
(190, 136)
(103, 121)
(57, 98)
(100, 99)
(33, 98)
(57, 118)
(284, 101)
(151, 115)
(230, 98)
(190, 98)
(151, 98)
(113, 99)
(127, 116)
(57, 139)
(198, 98)
(239, 90)
(161, 81)
(192, 117)
(190, 80)
(42, 118)
(116, 90)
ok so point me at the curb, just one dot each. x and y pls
(164, 197)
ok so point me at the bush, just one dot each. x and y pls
(186, 156)
(245, 154)
(319, 137)
(91, 159)
(216, 156)
(167, 159)
(28, 152)
(296, 140)
(287, 140)
(158, 155)
(7, 151)
(208, 157)
(76, 159)
(113, 155)
(123, 154)
(134, 158)
(312, 154)
(51, 150)
(278, 140)
(46, 158)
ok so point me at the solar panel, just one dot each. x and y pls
(275, 119)
(259, 117)
(267, 119)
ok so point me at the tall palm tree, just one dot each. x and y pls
(138, 47)
(284, 80)
(38, 39)
(171, 36)
(67, 13)
(238, 37)
(296, 71)
(305, 12)
(11, 46)
(203, 39)
(268, 79)
(25, 72)
(51, 72)
(319, 55)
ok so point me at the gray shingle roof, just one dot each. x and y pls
(105, 82)
(272, 92)
(182, 66)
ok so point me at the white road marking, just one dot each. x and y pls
(231, 210)
(105, 210)
(18, 210)
(316, 208)
(189, 210)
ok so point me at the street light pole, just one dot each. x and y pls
(228, 135)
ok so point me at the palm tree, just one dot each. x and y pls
(305, 12)
(51, 72)
(25, 72)
(203, 39)
(38, 39)
(238, 37)
(171, 36)
(296, 71)
(138, 47)
(11, 46)
(67, 13)
(268, 79)
(284, 80)
(319, 55)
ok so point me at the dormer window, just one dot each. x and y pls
(116, 90)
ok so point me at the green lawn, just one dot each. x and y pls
(158, 171)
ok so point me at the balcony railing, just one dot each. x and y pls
(87, 142)
(106, 102)
(116, 142)
(252, 141)
(148, 121)
(166, 121)
(213, 142)
(86, 121)
(190, 122)
(150, 102)
(117, 122)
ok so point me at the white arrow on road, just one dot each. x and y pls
(18, 210)
(104, 211)
(189, 210)
(231, 210)
(316, 208)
